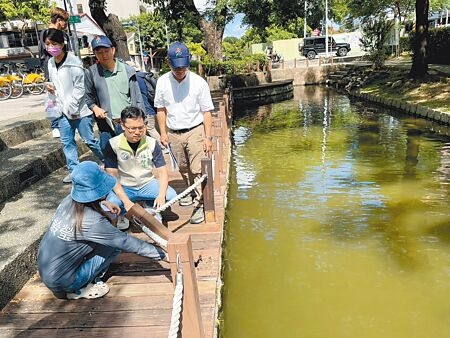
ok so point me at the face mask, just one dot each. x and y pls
(54, 51)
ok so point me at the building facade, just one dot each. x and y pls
(123, 9)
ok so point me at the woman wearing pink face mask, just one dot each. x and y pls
(66, 74)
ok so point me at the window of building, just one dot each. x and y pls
(80, 8)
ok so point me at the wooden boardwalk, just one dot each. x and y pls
(139, 303)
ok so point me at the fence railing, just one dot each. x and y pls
(179, 246)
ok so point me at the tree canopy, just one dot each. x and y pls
(35, 10)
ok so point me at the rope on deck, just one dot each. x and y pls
(158, 239)
(154, 236)
(177, 301)
(182, 194)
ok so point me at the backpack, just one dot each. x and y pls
(150, 82)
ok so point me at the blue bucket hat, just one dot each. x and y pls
(101, 41)
(179, 56)
(90, 183)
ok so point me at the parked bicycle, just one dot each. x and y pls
(14, 80)
(22, 79)
(5, 88)
(32, 82)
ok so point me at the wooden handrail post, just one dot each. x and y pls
(181, 245)
(217, 153)
(141, 215)
(208, 191)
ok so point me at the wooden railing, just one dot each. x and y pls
(180, 245)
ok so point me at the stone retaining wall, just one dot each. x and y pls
(409, 108)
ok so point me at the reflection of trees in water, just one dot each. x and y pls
(363, 165)
(412, 151)
(444, 168)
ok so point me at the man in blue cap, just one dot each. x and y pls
(184, 106)
(111, 85)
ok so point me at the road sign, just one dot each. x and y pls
(74, 19)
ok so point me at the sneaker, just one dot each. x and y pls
(198, 216)
(55, 133)
(67, 179)
(123, 223)
(90, 291)
(186, 200)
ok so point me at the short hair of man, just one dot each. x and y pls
(58, 13)
(131, 113)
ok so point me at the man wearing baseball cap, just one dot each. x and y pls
(111, 85)
(184, 106)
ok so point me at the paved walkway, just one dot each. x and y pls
(24, 108)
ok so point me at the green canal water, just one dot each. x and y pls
(338, 223)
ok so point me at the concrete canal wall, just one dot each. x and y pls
(315, 75)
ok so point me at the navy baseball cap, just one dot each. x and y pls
(179, 56)
(101, 41)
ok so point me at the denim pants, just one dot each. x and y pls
(54, 123)
(147, 192)
(105, 136)
(85, 127)
(94, 265)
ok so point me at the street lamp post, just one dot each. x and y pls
(73, 35)
(128, 24)
(140, 48)
(326, 28)
(304, 21)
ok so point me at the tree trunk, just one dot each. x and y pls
(213, 38)
(419, 66)
(112, 28)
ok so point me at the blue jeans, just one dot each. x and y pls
(147, 192)
(106, 136)
(95, 265)
(85, 127)
(54, 123)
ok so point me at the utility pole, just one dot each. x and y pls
(326, 28)
(73, 35)
(140, 47)
(304, 21)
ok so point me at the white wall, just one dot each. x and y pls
(122, 8)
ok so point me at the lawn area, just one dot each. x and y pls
(433, 91)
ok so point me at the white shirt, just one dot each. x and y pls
(185, 101)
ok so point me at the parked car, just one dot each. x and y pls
(316, 44)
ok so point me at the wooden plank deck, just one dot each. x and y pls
(139, 303)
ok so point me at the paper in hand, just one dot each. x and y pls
(110, 124)
(173, 160)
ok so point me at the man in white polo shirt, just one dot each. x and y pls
(184, 106)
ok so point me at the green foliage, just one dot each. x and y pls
(287, 15)
(374, 35)
(35, 10)
(439, 45)
(153, 32)
(405, 44)
(234, 66)
(277, 33)
(253, 35)
(233, 48)
(438, 5)
(151, 25)
(367, 9)
(196, 49)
